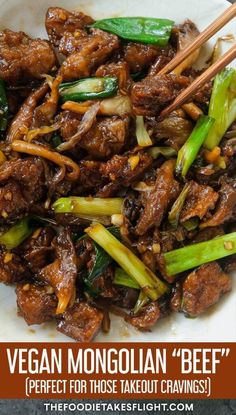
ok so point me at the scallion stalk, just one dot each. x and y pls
(192, 256)
(152, 286)
(93, 206)
(190, 149)
(222, 106)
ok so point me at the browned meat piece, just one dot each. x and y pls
(106, 138)
(176, 297)
(24, 186)
(23, 58)
(71, 42)
(118, 69)
(12, 269)
(175, 129)
(199, 201)
(44, 113)
(140, 56)
(225, 208)
(207, 175)
(152, 245)
(125, 297)
(152, 94)
(58, 188)
(203, 288)
(168, 239)
(37, 250)
(108, 190)
(149, 259)
(146, 318)
(159, 64)
(81, 322)
(90, 178)
(103, 283)
(93, 51)
(85, 251)
(35, 304)
(59, 21)
(120, 169)
(149, 246)
(203, 95)
(84, 127)
(88, 183)
(61, 274)
(12, 202)
(166, 190)
(29, 173)
(229, 146)
(162, 268)
(24, 118)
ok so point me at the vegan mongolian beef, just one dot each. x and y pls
(106, 207)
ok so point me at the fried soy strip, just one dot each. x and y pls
(37, 150)
(222, 106)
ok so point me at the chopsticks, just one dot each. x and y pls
(211, 71)
(224, 18)
(200, 81)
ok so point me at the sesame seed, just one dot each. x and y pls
(4, 214)
(8, 257)
(156, 248)
(228, 245)
(26, 287)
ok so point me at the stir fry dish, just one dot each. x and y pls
(105, 206)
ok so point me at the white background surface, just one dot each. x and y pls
(219, 324)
